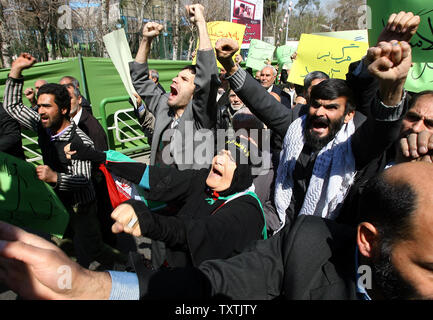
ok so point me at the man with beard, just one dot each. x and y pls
(188, 107)
(70, 179)
(323, 149)
(388, 256)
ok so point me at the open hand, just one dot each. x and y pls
(37, 269)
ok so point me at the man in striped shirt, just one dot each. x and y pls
(71, 179)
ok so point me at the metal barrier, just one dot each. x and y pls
(119, 133)
(38, 156)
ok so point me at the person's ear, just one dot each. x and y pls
(349, 116)
(367, 239)
(80, 100)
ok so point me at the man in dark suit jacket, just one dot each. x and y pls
(85, 121)
(66, 80)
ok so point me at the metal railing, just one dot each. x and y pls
(120, 134)
(38, 156)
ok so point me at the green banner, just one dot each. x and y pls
(26, 201)
(420, 77)
(422, 41)
(258, 53)
(284, 54)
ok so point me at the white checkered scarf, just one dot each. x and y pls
(333, 172)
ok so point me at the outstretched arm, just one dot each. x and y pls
(391, 64)
(274, 114)
(139, 69)
(13, 103)
(206, 80)
(37, 269)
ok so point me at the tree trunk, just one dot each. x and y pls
(176, 29)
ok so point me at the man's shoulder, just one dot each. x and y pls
(84, 137)
(315, 232)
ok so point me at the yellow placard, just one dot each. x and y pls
(224, 29)
(330, 55)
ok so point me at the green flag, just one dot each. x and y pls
(422, 41)
(26, 201)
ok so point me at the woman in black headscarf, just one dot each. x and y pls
(220, 214)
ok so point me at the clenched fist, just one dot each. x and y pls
(225, 50)
(126, 220)
(152, 30)
(390, 60)
(24, 61)
(195, 13)
(45, 173)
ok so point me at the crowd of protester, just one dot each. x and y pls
(294, 187)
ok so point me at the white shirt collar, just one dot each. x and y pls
(77, 117)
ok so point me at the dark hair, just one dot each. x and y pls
(415, 98)
(60, 93)
(191, 68)
(313, 76)
(299, 90)
(332, 89)
(389, 206)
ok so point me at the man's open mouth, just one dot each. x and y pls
(320, 123)
(173, 91)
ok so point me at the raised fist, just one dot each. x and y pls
(400, 27)
(225, 49)
(152, 30)
(24, 61)
(391, 61)
(195, 13)
(30, 94)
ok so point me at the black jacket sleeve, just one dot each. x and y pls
(275, 115)
(363, 85)
(10, 132)
(378, 132)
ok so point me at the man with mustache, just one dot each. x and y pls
(329, 142)
(191, 102)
